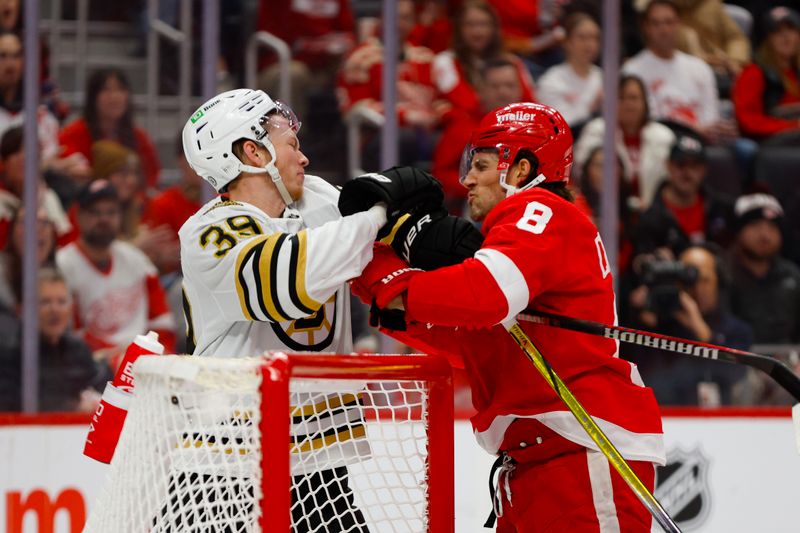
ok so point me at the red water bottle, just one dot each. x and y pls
(108, 419)
(141, 345)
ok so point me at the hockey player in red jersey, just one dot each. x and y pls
(539, 252)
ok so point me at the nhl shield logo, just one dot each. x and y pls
(682, 487)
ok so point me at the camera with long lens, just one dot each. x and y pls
(664, 281)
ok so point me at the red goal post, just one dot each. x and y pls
(206, 442)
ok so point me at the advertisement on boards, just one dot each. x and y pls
(725, 474)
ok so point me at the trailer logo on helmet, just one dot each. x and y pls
(517, 116)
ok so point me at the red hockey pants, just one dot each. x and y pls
(558, 486)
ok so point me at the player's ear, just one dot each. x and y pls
(253, 155)
(519, 172)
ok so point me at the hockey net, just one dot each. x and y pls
(302, 443)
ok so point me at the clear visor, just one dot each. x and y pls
(280, 120)
(467, 157)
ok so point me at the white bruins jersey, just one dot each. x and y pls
(253, 284)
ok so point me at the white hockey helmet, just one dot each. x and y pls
(210, 133)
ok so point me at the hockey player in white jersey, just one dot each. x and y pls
(265, 267)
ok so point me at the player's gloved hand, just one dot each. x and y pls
(394, 319)
(384, 278)
(434, 239)
(402, 189)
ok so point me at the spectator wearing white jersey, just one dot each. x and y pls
(575, 87)
(681, 88)
(116, 287)
(642, 143)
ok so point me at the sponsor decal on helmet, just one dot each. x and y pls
(197, 116)
(212, 104)
(517, 116)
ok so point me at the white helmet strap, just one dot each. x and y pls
(270, 169)
(511, 189)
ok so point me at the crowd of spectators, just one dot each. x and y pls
(702, 82)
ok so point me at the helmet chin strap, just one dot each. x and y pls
(512, 190)
(270, 169)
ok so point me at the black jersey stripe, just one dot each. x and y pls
(300, 276)
(257, 251)
(273, 276)
(191, 341)
(304, 444)
(242, 287)
(328, 413)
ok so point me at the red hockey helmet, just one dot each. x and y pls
(537, 128)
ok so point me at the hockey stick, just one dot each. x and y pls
(777, 370)
(592, 429)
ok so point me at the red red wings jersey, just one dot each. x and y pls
(359, 81)
(539, 252)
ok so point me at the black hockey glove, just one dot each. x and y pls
(402, 189)
(394, 319)
(434, 240)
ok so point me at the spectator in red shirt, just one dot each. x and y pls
(684, 211)
(319, 34)
(499, 87)
(476, 40)
(359, 85)
(170, 209)
(531, 29)
(108, 114)
(766, 96)
(433, 26)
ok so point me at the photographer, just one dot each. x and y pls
(683, 299)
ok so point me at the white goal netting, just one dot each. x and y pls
(189, 457)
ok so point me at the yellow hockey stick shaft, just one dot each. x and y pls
(593, 430)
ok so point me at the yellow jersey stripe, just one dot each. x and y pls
(241, 277)
(300, 274)
(268, 255)
(356, 432)
(331, 402)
